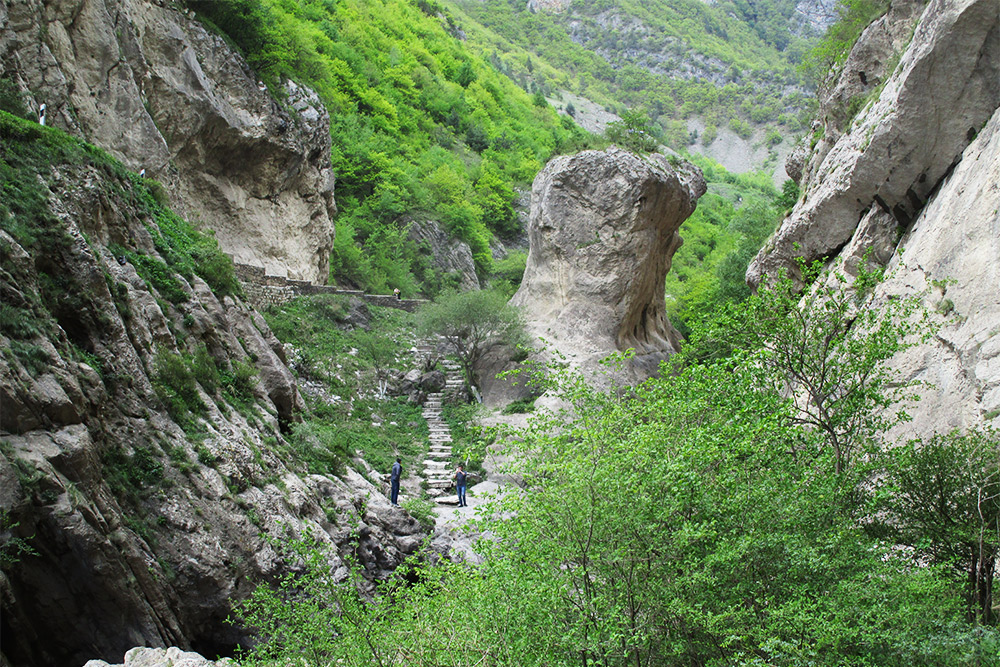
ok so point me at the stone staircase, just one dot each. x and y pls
(438, 466)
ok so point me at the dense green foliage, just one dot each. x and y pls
(703, 518)
(723, 234)
(420, 126)
(748, 47)
(349, 355)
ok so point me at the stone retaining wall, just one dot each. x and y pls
(264, 290)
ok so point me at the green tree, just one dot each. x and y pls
(632, 132)
(942, 498)
(472, 323)
(828, 348)
(691, 520)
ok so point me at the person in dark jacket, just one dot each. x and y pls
(397, 472)
(460, 484)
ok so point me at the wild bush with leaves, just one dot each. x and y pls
(472, 323)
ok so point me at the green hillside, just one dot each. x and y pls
(439, 112)
(420, 125)
(731, 63)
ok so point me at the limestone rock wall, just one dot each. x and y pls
(901, 146)
(914, 179)
(602, 233)
(142, 533)
(153, 87)
(952, 255)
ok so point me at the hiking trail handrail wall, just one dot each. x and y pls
(264, 290)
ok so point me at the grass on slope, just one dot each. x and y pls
(343, 359)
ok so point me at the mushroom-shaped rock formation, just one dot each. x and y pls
(602, 233)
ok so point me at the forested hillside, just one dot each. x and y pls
(733, 64)
(420, 126)
(439, 111)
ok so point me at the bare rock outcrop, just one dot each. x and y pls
(157, 90)
(913, 180)
(145, 521)
(952, 255)
(160, 657)
(898, 150)
(602, 233)
(450, 255)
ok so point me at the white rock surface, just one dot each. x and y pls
(956, 244)
(945, 88)
(922, 162)
(158, 91)
(602, 233)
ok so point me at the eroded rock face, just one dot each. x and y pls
(142, 534)
(952, 255)
(602, 233)
(896, 152)
(158, 91)
(914, 181)
(450, 255)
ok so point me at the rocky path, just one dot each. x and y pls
(438, 465)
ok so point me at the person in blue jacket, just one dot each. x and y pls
(397, 472)
(460, 484)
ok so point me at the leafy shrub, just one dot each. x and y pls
(131, 475)
(10, 98)
(519, 406)
(239, 382)
(421, 510)
(632, 132)
(34, 358)
(323, 449)
(158, 276)
(176, 387)
(205, 370)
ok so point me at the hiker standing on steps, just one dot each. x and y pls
(397, 294)
(397, 471)
(460, 484)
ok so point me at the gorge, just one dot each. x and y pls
(163, 441)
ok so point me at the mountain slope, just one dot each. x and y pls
(723, 62)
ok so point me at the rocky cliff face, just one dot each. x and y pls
(153, 87)
(450, 255)
(914, 179)
(602, 232)
(143, 474)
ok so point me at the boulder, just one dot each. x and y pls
(603, 229)
(432, 381)
(163, 657)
